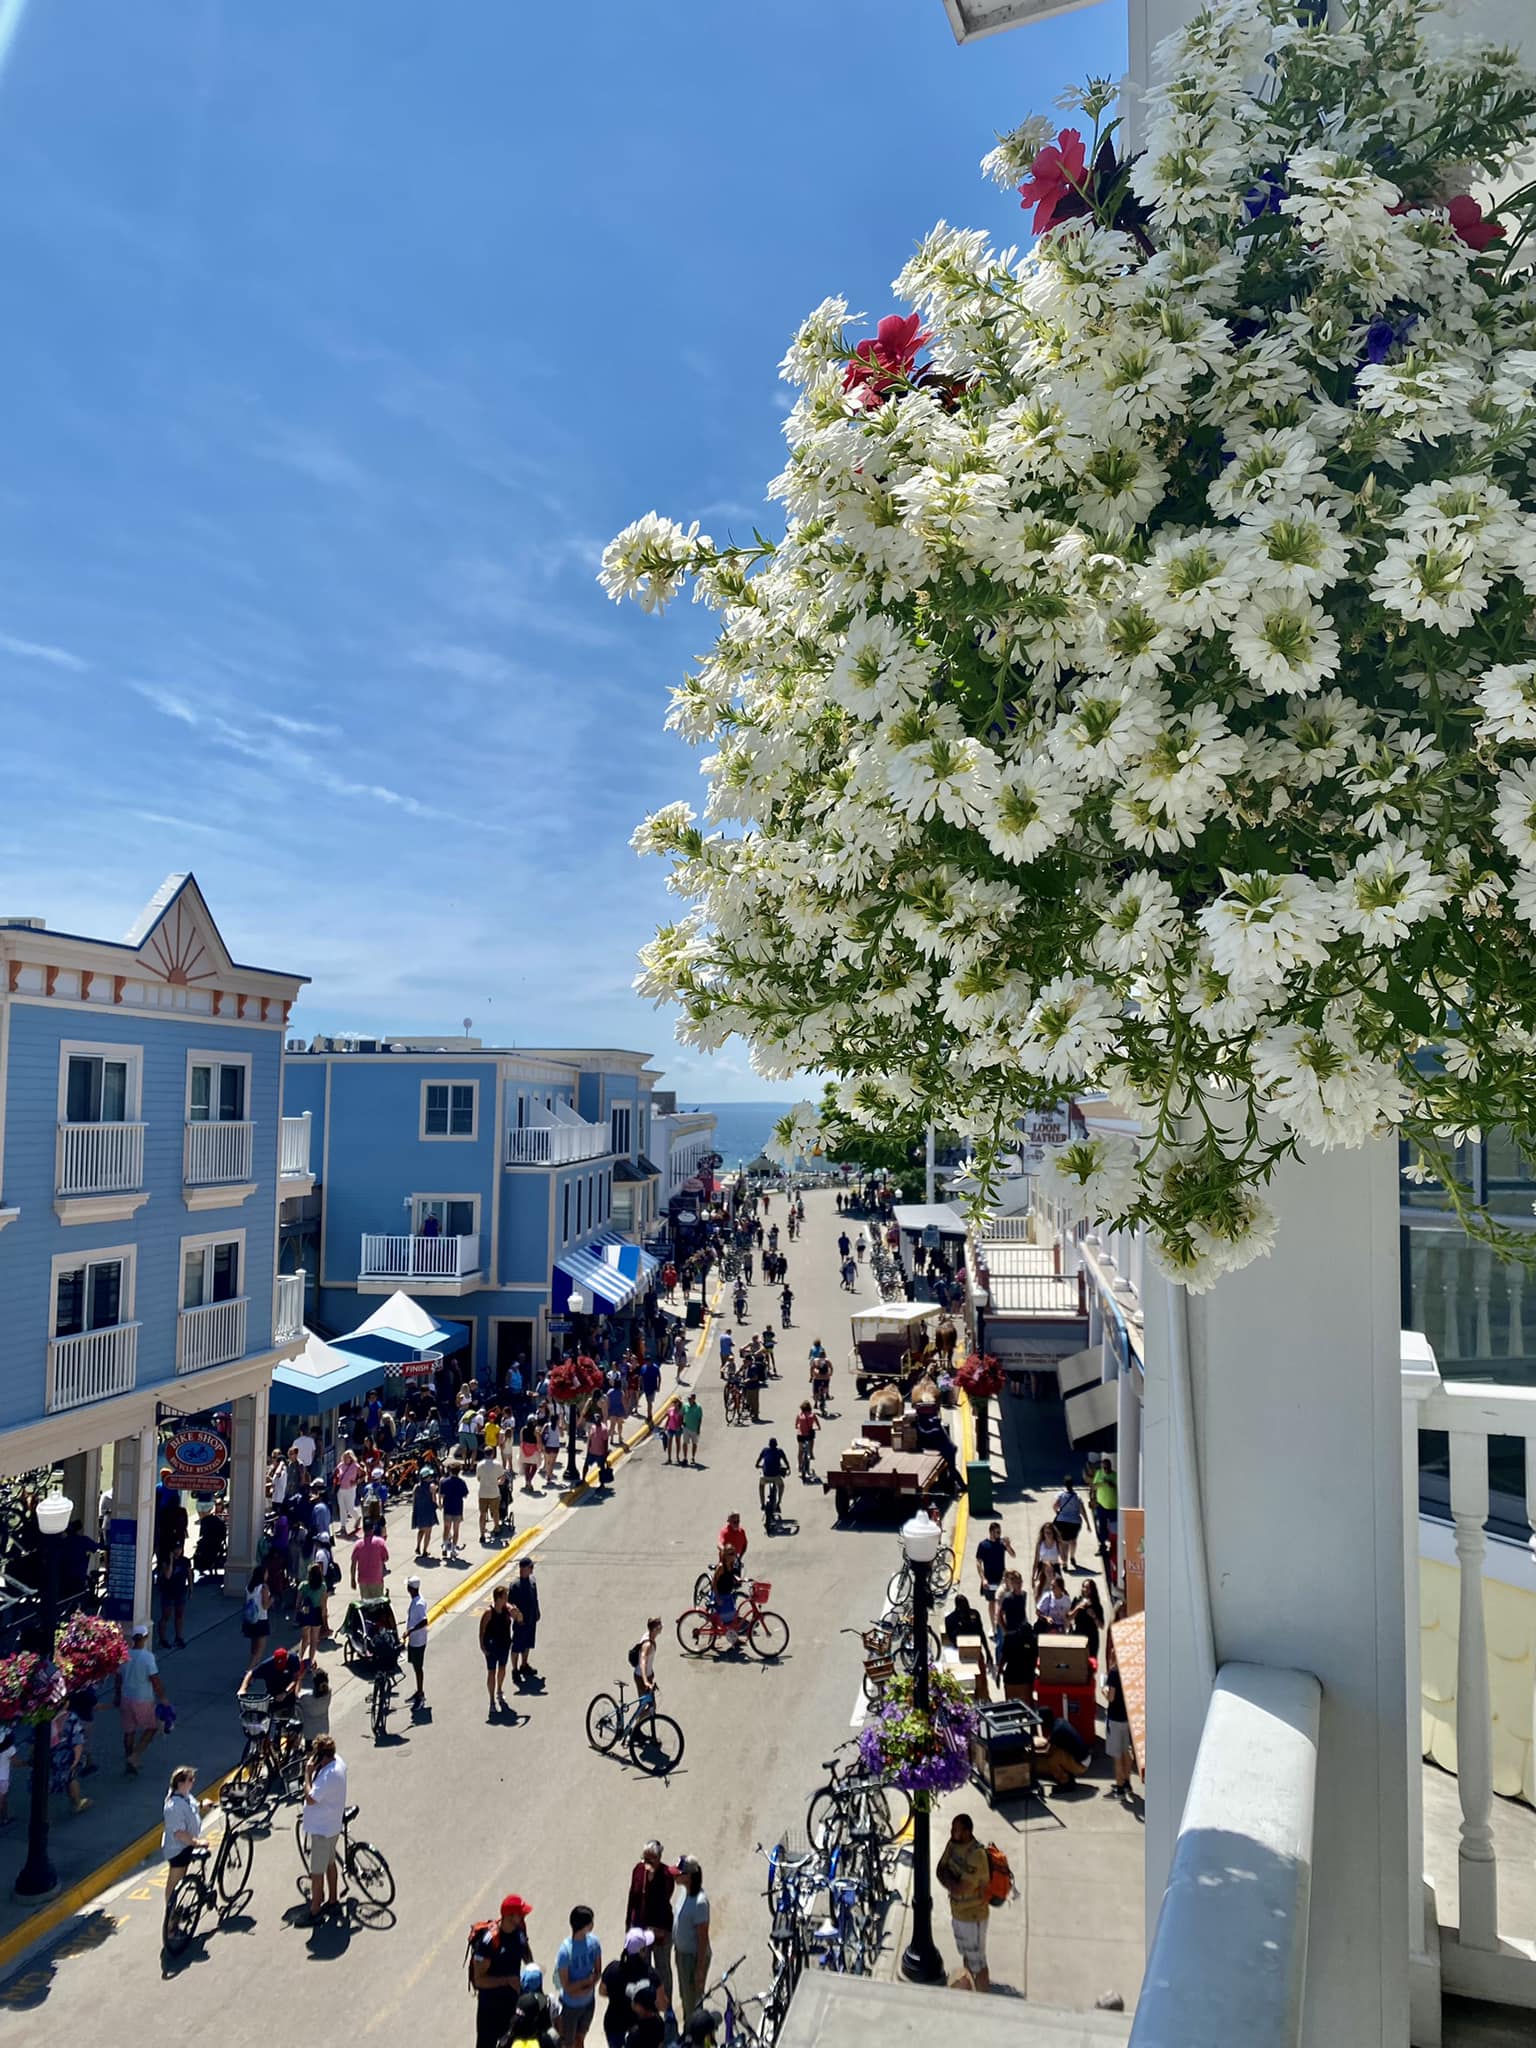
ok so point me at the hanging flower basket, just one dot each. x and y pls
(921, 1752)
(90, 1650)
(981, 1377)
(32, 1689)
(574, 1378)
(1141, 694)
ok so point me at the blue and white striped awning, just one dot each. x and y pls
(608, 1237)
(610, 1269)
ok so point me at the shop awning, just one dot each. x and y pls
(609, 1268)
(322, 1377)
(921, 1216)
(608, 1238)
(1092, 1413)
(400, 1328)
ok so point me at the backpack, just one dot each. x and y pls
(480, 1927)
(634, 1657)
(1000, 1885)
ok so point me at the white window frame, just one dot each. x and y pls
(626, 1110)
(449, 1137)
(201, 1241)
(102, 1049)
(451, 1195)
(216, 1060)
(98, 1255)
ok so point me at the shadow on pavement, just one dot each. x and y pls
(30, 1987)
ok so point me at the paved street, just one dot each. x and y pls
(466, 1810)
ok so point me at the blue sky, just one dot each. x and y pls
(339, 338)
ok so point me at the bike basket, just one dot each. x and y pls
(876, 1640)
(254, 1723)
(760, 1591)
(880, 1668)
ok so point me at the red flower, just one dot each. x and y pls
(1471, 224)
(891, 355)
(1058, 175)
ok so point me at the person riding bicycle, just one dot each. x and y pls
(642, 1661)
(821, 1376)
(725, 1586)
(766, 1341)
(774, 1466)
(806, 1427)
(786, 1305)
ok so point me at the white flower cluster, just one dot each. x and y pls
(1142, 695)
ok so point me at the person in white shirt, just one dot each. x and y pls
(416, 1640)
(181, 1829)
(325, 1804)
(303, 1452)
(488, 1482)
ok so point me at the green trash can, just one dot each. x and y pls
(695, 1314)
(978, 1486)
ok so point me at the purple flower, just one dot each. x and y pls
(1385, 334)
(1266, 192)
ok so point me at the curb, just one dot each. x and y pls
(15, 1947)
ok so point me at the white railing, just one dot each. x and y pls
(288, 1312)
(217, 1153)
(557, 1144)
(211, 1335)
(1007, 1230)
(92, 1366)
(293, 1147)
(419, 1258)
(1229, 1958)
(1475, 1961)
(100, 1159)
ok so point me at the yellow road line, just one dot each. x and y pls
(963, 1507)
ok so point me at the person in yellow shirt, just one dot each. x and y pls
(965, 1873)
(492, 1431)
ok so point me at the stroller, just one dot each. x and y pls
(370, 1638)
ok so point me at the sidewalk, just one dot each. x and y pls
(1075, 1931)
(92, 1850)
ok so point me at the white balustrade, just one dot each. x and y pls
(418, 1258)
(100, 1159)
(92, 1366)
(1007, 1230)
(293, 1147)
(557, 1144)
(211, 1335)
(288, 1313)
(218, 1153)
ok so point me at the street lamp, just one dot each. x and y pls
(38, 1878)
(921, 1961)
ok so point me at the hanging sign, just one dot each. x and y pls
(122, 1555)
(196, 1457)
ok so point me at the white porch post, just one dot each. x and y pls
(1294, 1406)
(247, 1486)
(133, 1495)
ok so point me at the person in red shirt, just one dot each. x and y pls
(733, 1536)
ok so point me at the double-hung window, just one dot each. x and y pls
(90, 1296)
(210, 1272)
(448, 1109)
(619, 1127)
(216, 1092)
(95, 1089)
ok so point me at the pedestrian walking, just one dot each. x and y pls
(965, 1872)
(650, 1386)
(416, 1639)
(424, 1511)
(1106, 1504)
(672, 1429)
(992, 1554)
(523, 1597)
(139, 1692)
(488, 1488)
(370, 1561)
(498, 1955)
(453, 1493)
(325, 1806)
(312, 1615)
(549, 1445)
(632, 1972)
(578, 1966)
(597, 1451)
(528, 1452)
(256, 1620)
(348, 1473)
(693, 1423)
(175, 1586)
(1067, 1513)
(496, 1643)
(690, 1937)
(649, 1907)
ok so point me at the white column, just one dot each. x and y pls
(1128, 1440)
(1482, 1287)
(1420, 1379)
(133, 1497)
(247, 1485)
(1294, 1410)
(1477, 1865)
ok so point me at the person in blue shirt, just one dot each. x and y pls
(774, 1466)
(727, 1346)
(650, 1386)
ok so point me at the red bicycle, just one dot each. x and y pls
(756, 1627)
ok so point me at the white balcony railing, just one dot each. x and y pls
(218, 1153)
(557, 1144)
(1007, 1230)
(92, 1367)
(100, 1159)
(288, 1311)
(293, 1147)
(1475, 1960)
(419, 1258)
(211, 1335)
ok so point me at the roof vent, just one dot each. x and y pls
(24, 924)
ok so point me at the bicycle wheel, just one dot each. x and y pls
(695, 1632)
(823, 1818)
(656, 1744)
(378, 1709)
(605, 1721)
(701, 1590)
(898, 1592)
(234, 1863)
(768, 1635)
(367, 1869)
(249, 1785)
(943, 1572)
(183, 1910)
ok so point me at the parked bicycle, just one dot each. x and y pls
(215, 1880)
(756, 1626)
(655, 1740)
(362, 1866)
(271, 1766)
(852, 1803)
(741, 2020)
(898, 1592)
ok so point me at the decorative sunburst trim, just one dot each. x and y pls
(177, 951)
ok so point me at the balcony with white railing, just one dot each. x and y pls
(561, 1144)
(100, 1159)
(293, 1150)
(288, 1308)
(218, 1154)
(442, 1265)
(92, 1366)
(211, 1335)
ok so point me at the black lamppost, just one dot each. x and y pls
(921, 1961)
(38, 1878)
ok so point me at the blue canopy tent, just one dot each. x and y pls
(321, 1378)
(401, 1329)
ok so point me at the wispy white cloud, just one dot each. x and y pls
(466, 664)
(317, 457)
(40, 650)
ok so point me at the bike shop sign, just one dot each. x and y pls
(197, 1458)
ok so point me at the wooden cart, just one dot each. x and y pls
(901, 1480)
